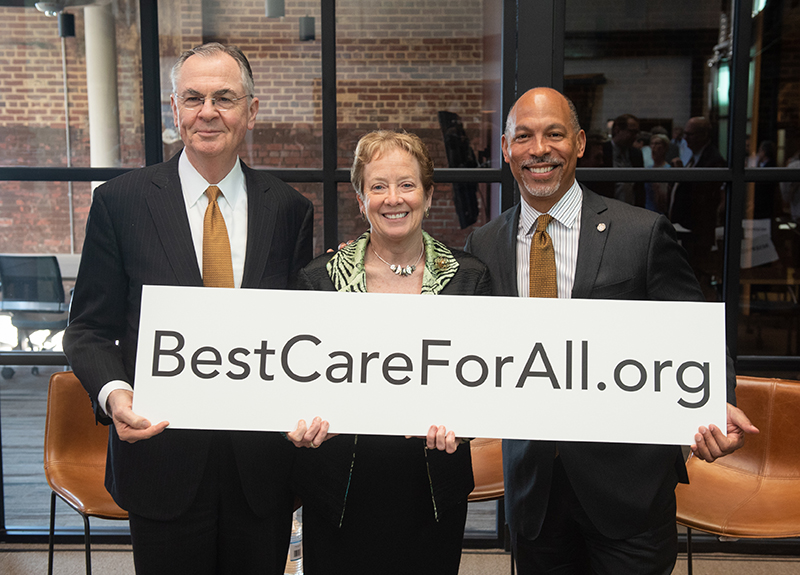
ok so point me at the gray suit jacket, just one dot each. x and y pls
(138, 234)
(634, 256)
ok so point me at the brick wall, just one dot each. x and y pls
(399, 62)
(396, 69)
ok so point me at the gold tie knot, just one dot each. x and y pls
(541, 225)
(213, 192)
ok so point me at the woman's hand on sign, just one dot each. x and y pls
(439, 438)
(310, 435)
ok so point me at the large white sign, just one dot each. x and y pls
(581, 370)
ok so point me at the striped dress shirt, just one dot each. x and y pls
(564, 230)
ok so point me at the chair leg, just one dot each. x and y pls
(88, 545)
(689, 550)
(52, 532)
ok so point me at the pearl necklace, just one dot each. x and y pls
(400, 270)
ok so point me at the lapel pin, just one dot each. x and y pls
(601, 227)
(441, 263)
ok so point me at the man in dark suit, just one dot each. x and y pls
(697, 208)
(619, 152)
(588, 507)
(199, 501)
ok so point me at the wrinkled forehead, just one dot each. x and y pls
(216, 73)
(539, 111)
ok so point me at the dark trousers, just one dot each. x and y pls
(219, 533)
(569, 544)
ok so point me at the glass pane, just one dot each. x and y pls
(432, 69)
(97, 67)
(656, 61)
(313, 191)
(769, 321)
(43, 217)
(286, 70)
(23, 396)
(41, 240)
(481, 519)
(769, 309)
(773, 106)
(652, 86)
(351, 224)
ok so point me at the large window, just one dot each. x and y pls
(77, 109)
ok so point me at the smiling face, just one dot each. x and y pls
(392, 197)
(212, 137)
(542, 148)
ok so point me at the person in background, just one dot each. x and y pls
(388, 504)
(697, 208)
(657, 193)
(200, 502)
(678, 139)
(673, 151)
(585, 507)
(619, 152)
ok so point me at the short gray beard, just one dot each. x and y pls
(543, 192)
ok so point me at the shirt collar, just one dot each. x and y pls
(194, 185)
(565, 211)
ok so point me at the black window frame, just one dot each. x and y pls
(532, 33)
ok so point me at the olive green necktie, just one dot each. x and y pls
(543, 261)
(217, 266)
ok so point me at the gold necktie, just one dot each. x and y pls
(217, 266)
(543, 261)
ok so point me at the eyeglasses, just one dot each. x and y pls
(221, 103)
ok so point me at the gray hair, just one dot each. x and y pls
(214, 49)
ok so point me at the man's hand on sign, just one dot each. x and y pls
(711, 444)
(130, 427)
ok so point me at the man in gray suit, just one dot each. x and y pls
(199, 501)
(576, 507)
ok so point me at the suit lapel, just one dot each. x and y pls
(260, 227)
(595, 227)
(507, 253)
(168, 210)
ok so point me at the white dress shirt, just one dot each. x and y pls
(233, 205)
(564, 230)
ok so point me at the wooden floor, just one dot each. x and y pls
(23, 402)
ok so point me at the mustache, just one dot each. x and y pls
(546, 159)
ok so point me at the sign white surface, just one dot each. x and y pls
(580, 370)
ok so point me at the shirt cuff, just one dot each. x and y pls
(106, 390)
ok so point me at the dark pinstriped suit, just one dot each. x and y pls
(138, 233)
(634, 257)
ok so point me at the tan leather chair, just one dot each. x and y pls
(755, 491)
(75, 457)
(487, 469)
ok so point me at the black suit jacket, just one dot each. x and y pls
(696, 205)
(138, 234)
(634, 257)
